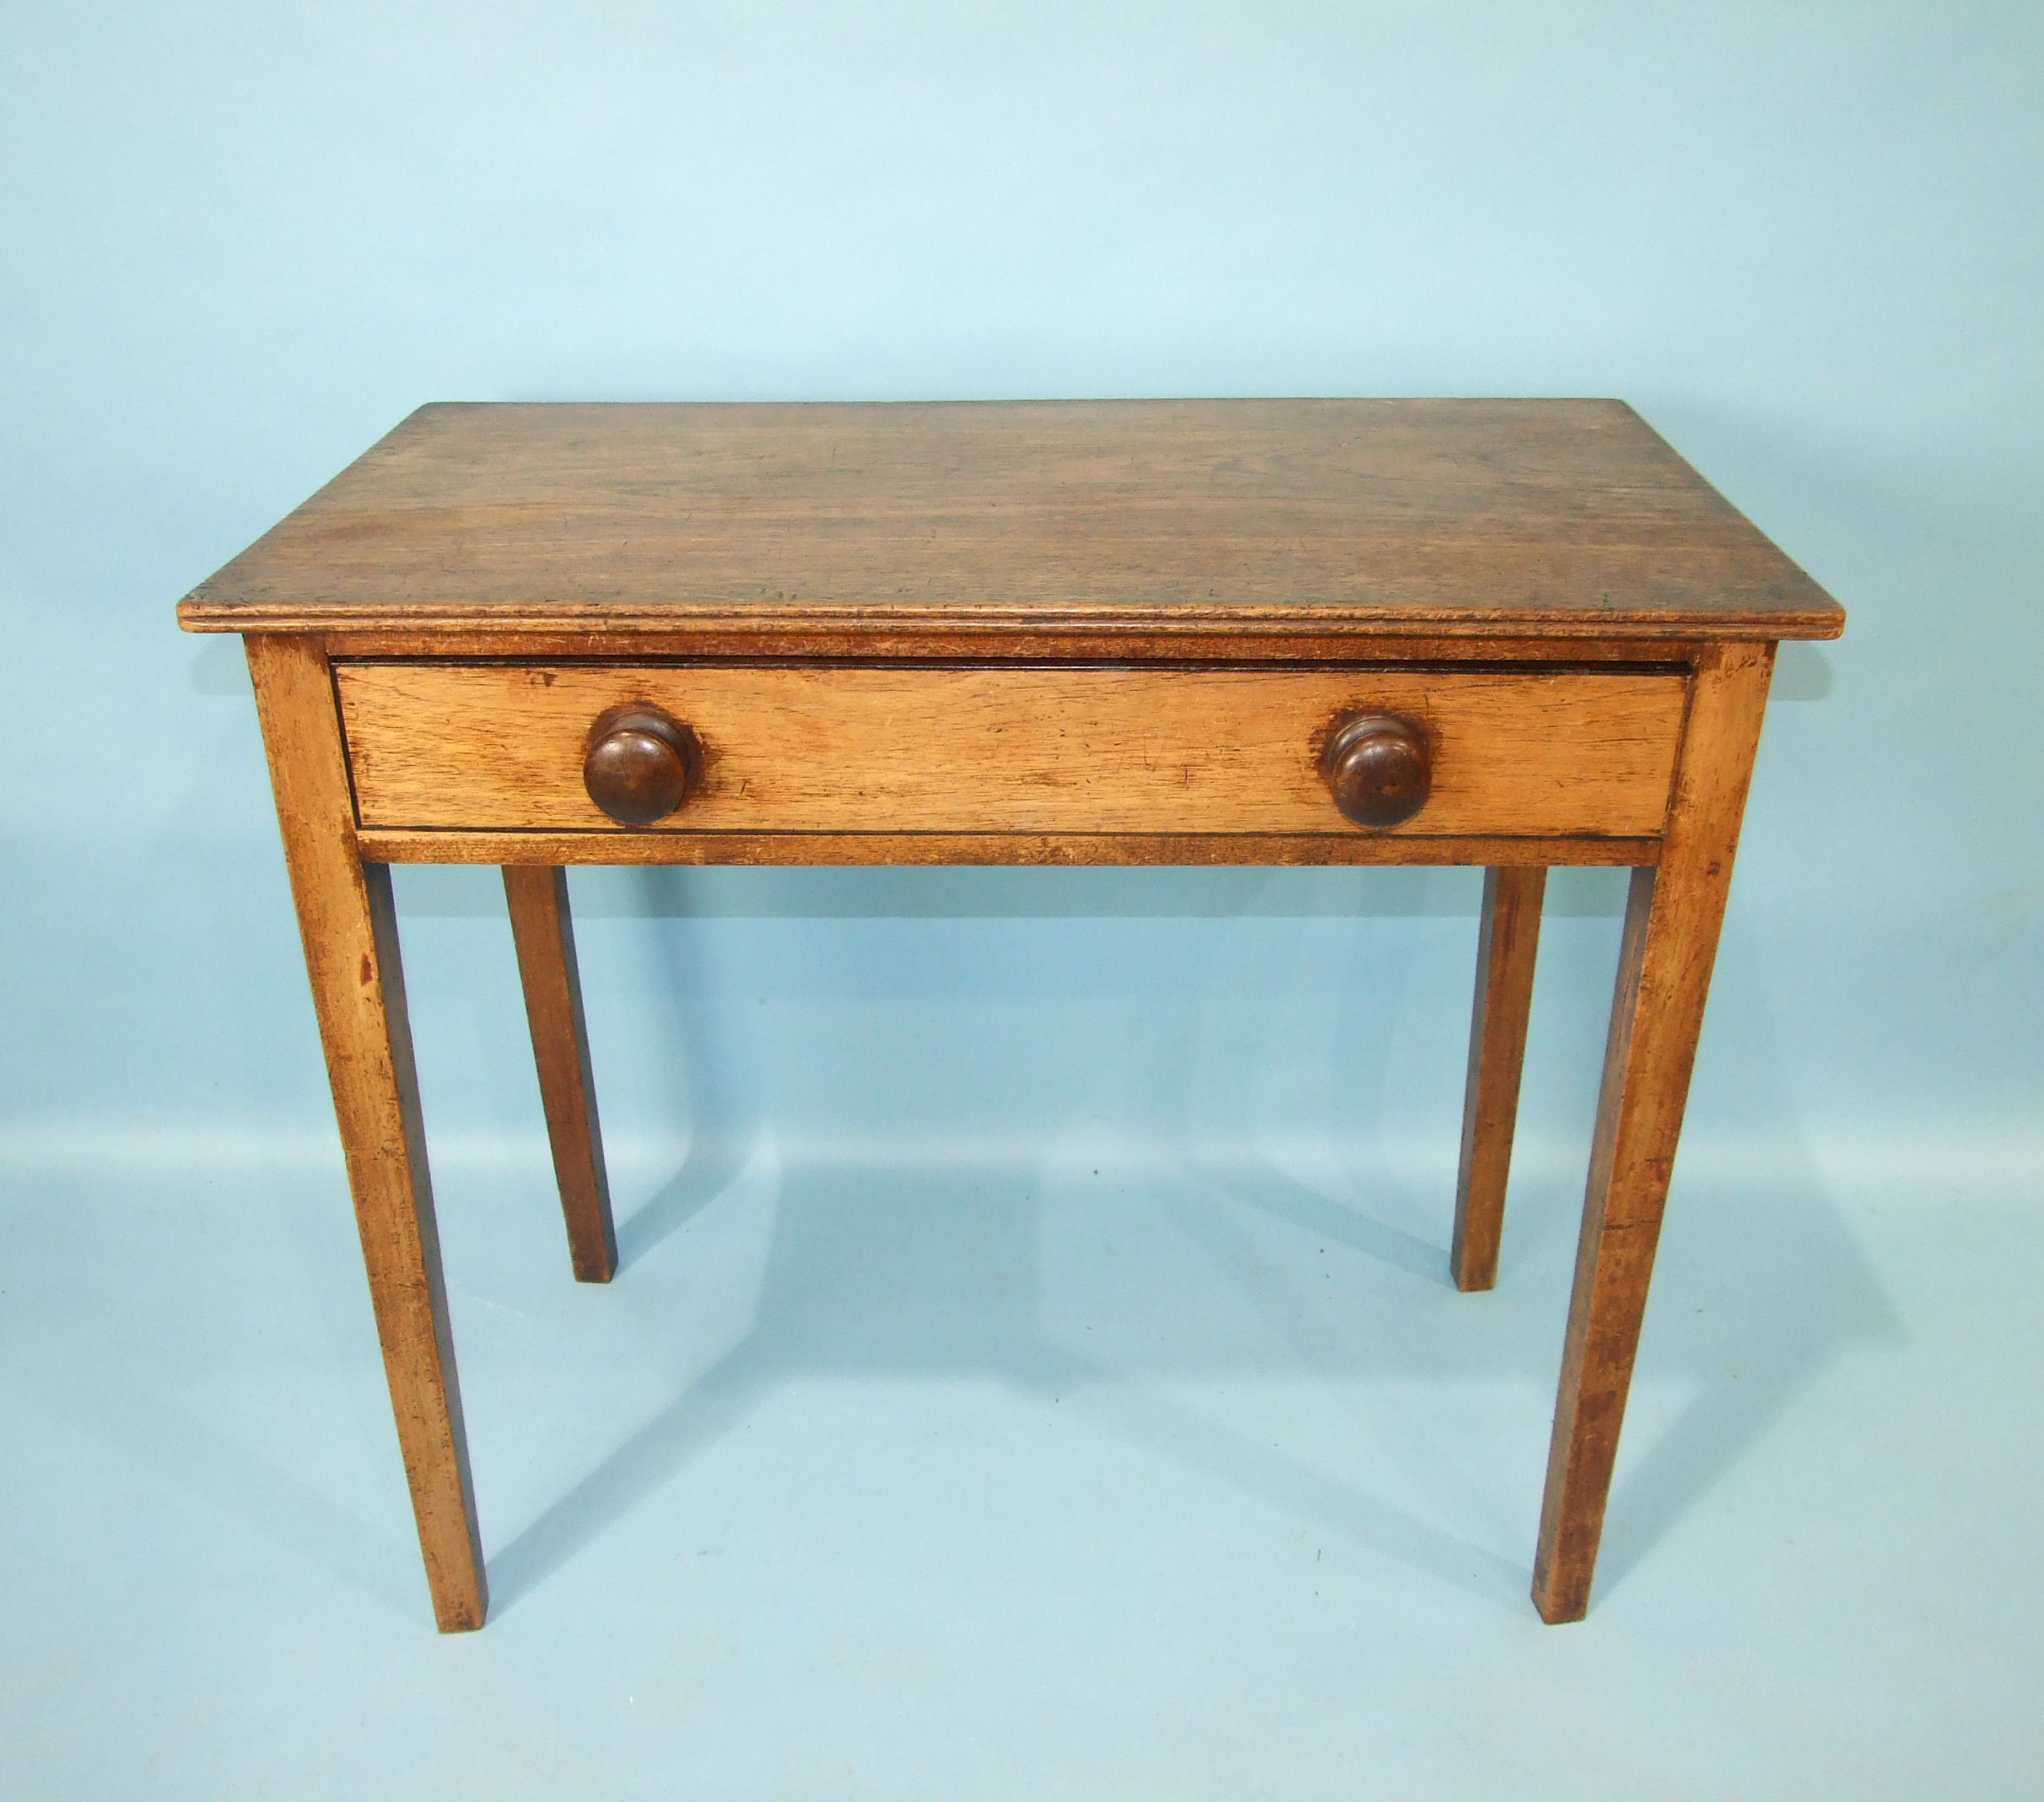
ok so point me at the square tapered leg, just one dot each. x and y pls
(1505, 948)
(544, 934)
(350, 933)
(1672, 922)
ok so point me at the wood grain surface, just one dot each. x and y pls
(1179, 643)
(350, 933)
(1670, 942)
(855, 749)
(1018, 632)
(1185, 849)
(1424, 514)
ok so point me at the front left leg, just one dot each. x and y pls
(350, 932)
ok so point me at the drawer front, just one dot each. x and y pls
(849, 749)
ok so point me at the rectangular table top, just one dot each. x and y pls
(1455, 517)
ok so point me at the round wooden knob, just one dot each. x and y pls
(1378, 767)
(641, 765)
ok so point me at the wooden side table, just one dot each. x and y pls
(1516, 634)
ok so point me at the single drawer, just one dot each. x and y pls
(859, 749)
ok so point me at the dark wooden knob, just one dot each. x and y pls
(641, 765)
(1378, 767)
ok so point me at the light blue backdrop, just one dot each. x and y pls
(239, 242)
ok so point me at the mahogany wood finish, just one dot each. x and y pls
(1380, 769)
(641, 765)
(543, 932)
(350, 933)
(1517, 633)
(1506, 947)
